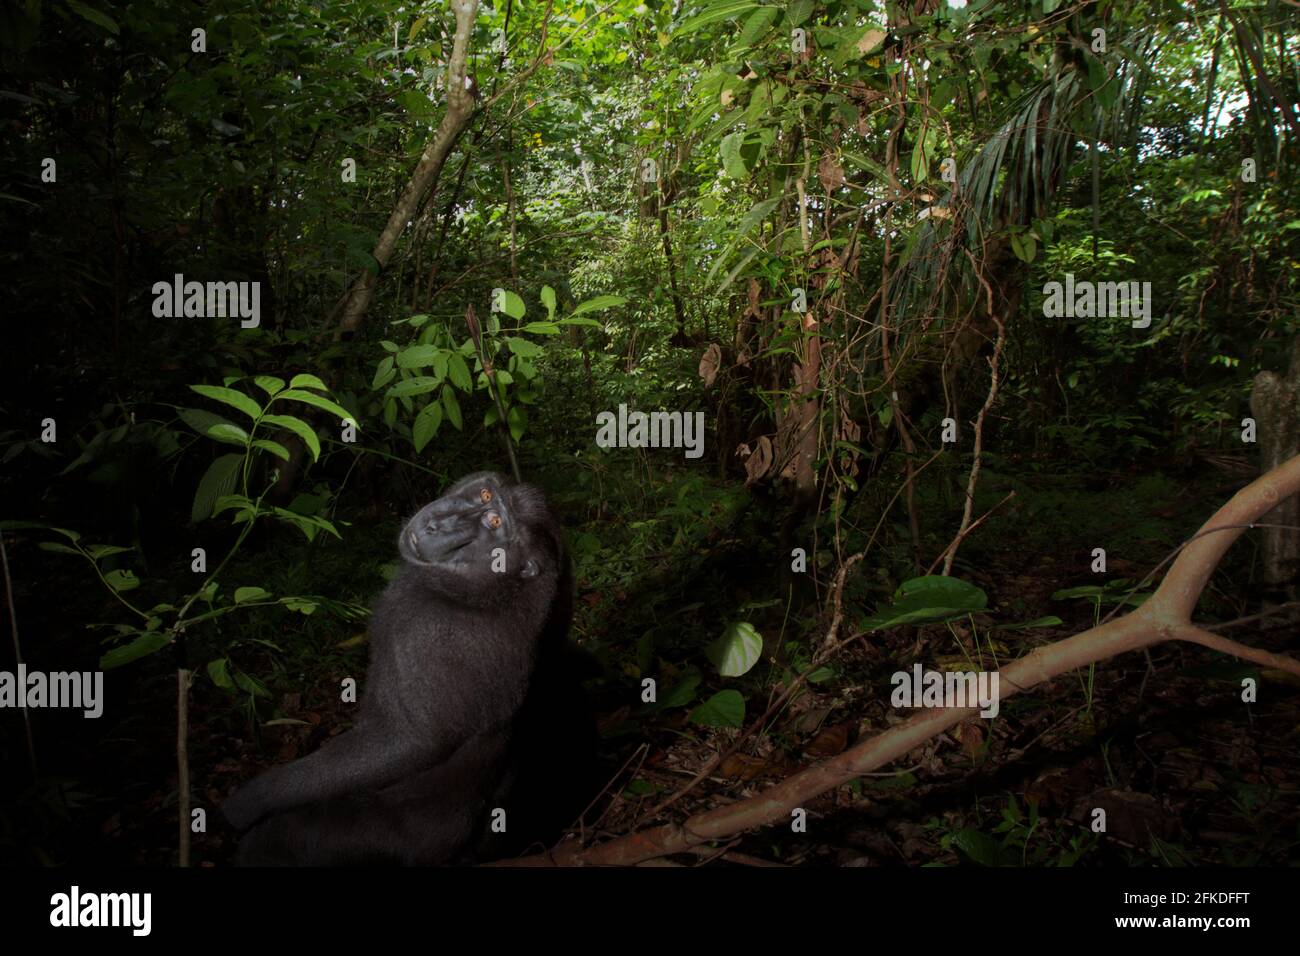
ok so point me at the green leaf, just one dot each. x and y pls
(683, 692)
(250, 594)
(98, 551)
(300, 428)
(933, 597)
(58, 548)
(268, 383)
(458, 372)
(548, 300)
(1024, 246)
(800, 11)
(426, 425)
(219, 480)
(419, 385)
(726, 708)
(251, 685)
(229, 433)
(384, 373)
(451, 406)
(542, 328)
(722, 10)
(417, 356)
(756, 214)
(142, 646)
(523, 348)
(219, 671)
(517, 419)
(309, 398)
(737, 650)
(201, 420)
(921, 157)
(230, 397)
(732, 163)
(274, 447)
(759, 22)
(121, 580)
(513, 305)
(980, 847)
(596, 304)
(93, 16)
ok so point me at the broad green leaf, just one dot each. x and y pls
(979, 846)
(230, 397)
(243, 595)
(384, 373)
(98, 551)
(310, 398)
(729, 149)
(513, 305)
(759, 22)
(542, 328)
(933, 597)
(122, 580)
(426, 425)
(201, 420)
(219, 671)
(90, 14)
(517, 419)
(58, 548)
(268, 383)
(451, 406)
(417, 356)
(229, 433)
(683, 692)
(300, 428)
(142, 646)
(596, 304)
(307, 380)
(548, 300)
(726, 708)
(756, 214)
(921, 158)
(458, 372)
(737, 650)
(274, 447)
(251, 685)
(218, 481)
(523, 348)
(722, 10)
(418, 385)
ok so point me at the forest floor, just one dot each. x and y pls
(1188, 773)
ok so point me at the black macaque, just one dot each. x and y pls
(470, 704)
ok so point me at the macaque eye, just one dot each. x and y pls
(485, 495)
(492, 519)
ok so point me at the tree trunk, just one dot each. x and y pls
(460, 107)
(1275, 403)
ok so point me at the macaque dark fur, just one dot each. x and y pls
(466, 701)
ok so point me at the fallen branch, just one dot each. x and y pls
(1165, 616)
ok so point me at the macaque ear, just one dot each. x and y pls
(531, 569)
